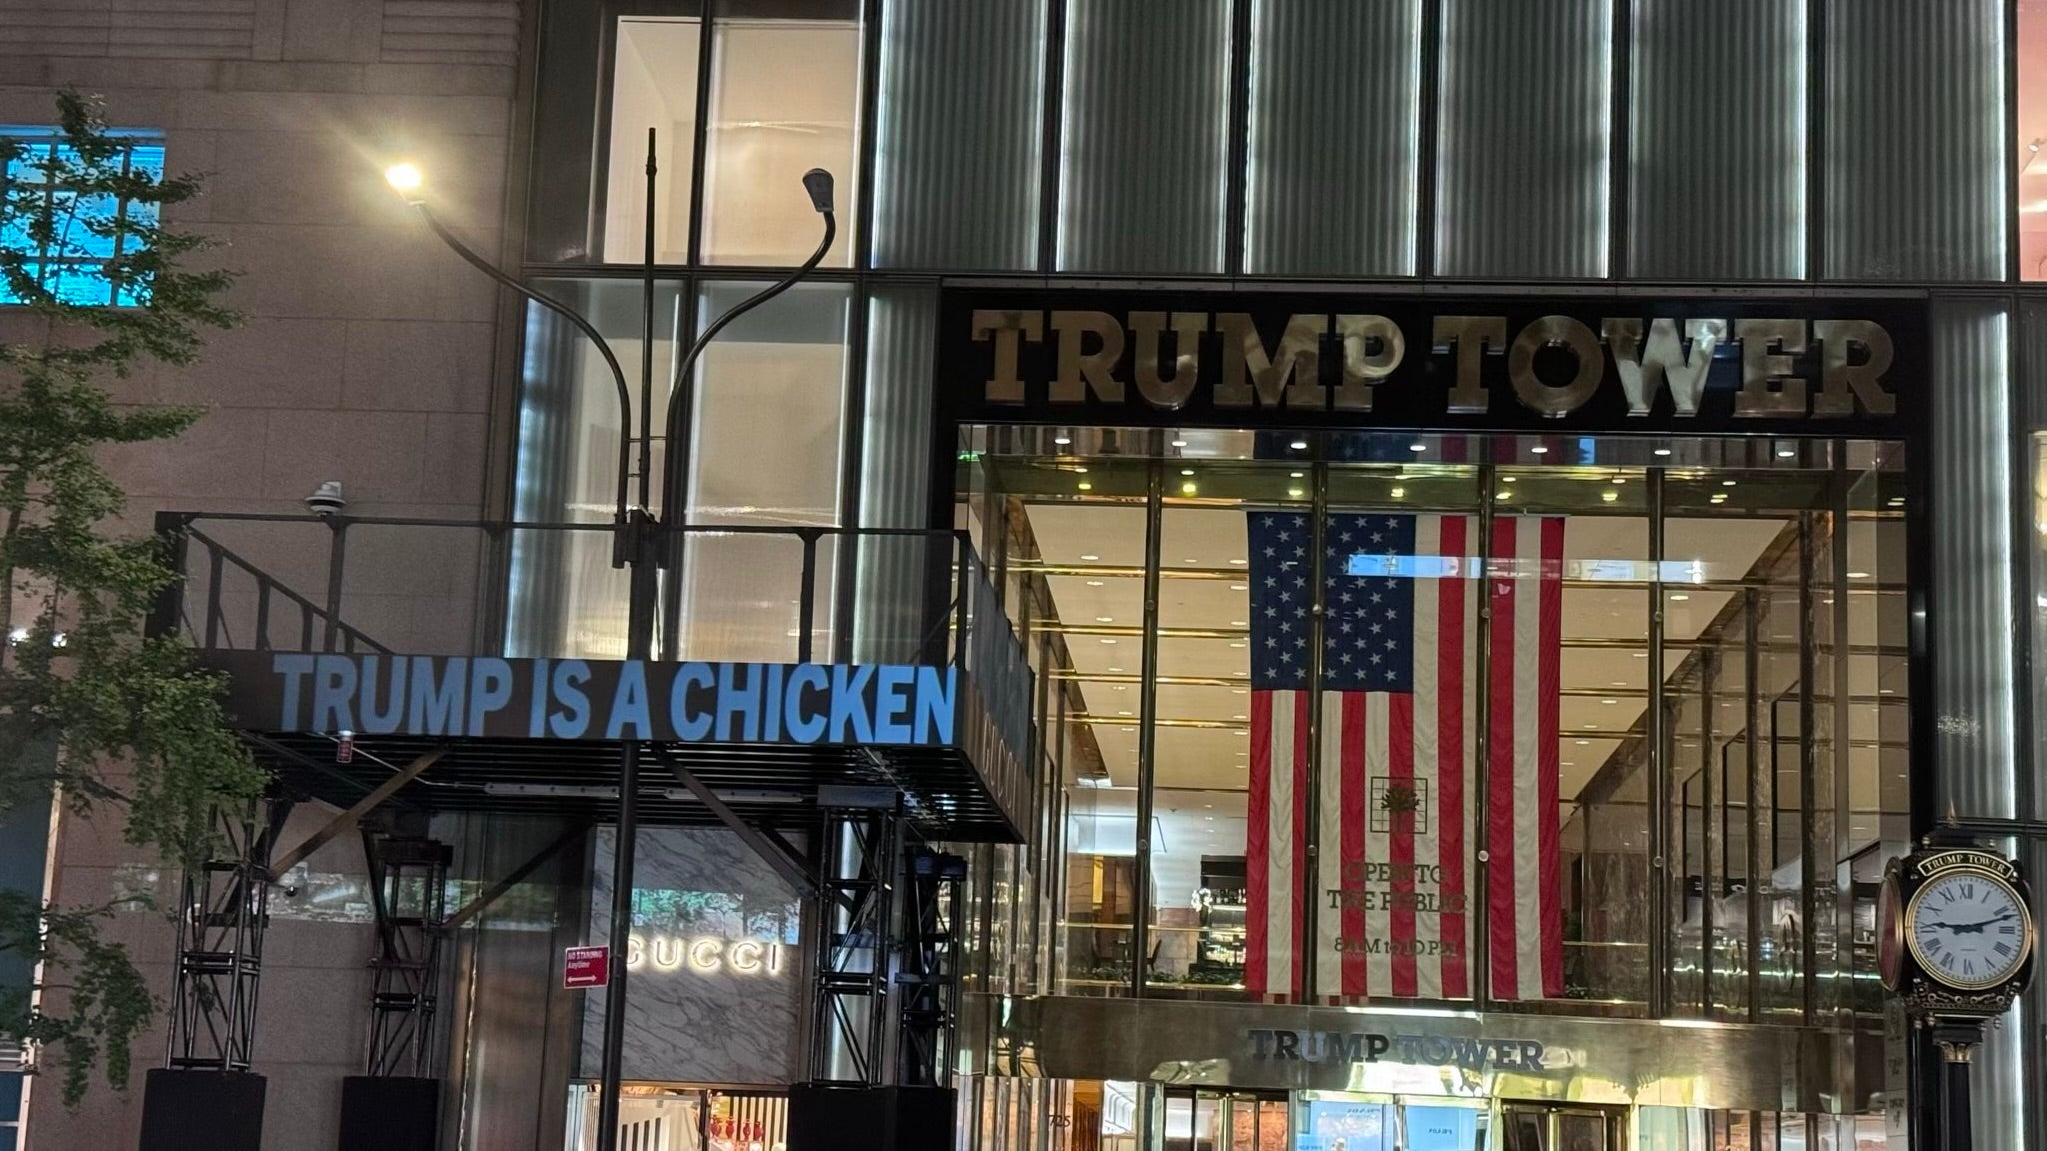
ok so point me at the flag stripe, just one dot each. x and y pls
(1300, 879)
(1500, 780)
(1400, 770)
(1452, 715)
(1257, 846)
(1524, 764)
(1425, 721)
(1350, 754)
(1548, 670)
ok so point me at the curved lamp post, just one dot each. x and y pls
(638, 534)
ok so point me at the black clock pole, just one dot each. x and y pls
(1956, 1040)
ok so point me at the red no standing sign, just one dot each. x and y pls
(586, 967)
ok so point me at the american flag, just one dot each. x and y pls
(1395, 804)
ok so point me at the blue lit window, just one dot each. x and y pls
(93, 231)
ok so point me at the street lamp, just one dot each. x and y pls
(637, 533)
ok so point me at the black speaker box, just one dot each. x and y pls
(871, 1119)
(202, 1111)
(390, 1113)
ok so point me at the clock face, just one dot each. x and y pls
(1968, 929)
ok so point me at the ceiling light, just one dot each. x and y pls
(1590, 726)
(1417, 447)
(1086, 486)
(1566, 763)
(1298, 475)
(1240, 691)
(1239, 717)
(1662, 451)
(1094, 583)
(1187, 489)
(1299, 445)
(1679, 597)
(1582, 742)
(1236, 645)
(1295, 493)
(1115, 669)
(1641, 655)
(1399, 493)
(1209, 818)
(1508, 479)
(1122, 687)
(1239, 623)
(1726, 483)
(1080, 471)
(1179, 443)
(1122, 713)
(1062, 439)
(1609, 702)
(1209, 806)
(1190, 561)
(1502, 495)
(1858, 575)
(1616, 683)
(1897, 501)
(1105, 619)
(1186, 471)
(1110, 641)
(1540, 449)
(1239, 563)
(1785, 453)
(1239, 586)
(1619, 480)
(1609, 496)
(1090, 556)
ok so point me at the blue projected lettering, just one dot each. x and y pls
(890, 704)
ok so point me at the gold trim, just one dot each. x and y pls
(1912, 933)
(1893, 897)
(1952, 1052)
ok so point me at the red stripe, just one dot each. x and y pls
(1400, 761)
(1356, 983)
(1450, 765)
(1303, 881)
(1500, 798)
(1257, 842)
(1547, 813)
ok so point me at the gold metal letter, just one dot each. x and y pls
(1555, 332)
(1097, 368)
(1170, 393)
(1838, 376)
(1643, 370)
(1362, 365)
(1767, 386)
(1004, 387)
(1293, 378)
(1472, 336)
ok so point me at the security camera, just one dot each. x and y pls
(326, 500)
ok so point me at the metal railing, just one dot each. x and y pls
(510, 587)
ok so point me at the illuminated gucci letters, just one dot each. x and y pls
(703, 955)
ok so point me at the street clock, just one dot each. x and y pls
(1954, 932)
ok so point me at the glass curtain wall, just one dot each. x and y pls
(1692, 649)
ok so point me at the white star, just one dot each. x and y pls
(1375, 658)
(1346, 627)
(1375, 597)
(1375, 629)
(1346, 657)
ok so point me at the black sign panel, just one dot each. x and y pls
(1663, 365)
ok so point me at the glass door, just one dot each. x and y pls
(1199, 1120)
(1540, 1127)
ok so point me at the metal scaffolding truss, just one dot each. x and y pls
(857, 861)
(928, 1027)
(408, 893)
(222, 912)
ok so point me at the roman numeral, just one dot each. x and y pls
(1947, 895)
(1968, 891)
(1968, 967)
(2002, 948)
(2007, 929)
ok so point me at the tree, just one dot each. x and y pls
(93, 712)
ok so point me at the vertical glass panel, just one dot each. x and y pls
(1971, 529)
(1524, 140)
(895, 475)
(1916, 176)
(1145, 140)
(785, 98)
(764, 449)
(2031, 146)
(567, 599)
(959, 134)
(2033, 358)
(1324, 71)
(653, 85)
(590, 68)
(1207, 706)
(1598, 733)
(1717, 189)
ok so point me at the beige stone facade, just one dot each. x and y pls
(367, 354)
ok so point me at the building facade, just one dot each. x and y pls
(1514, 509)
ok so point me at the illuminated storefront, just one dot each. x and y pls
(1645, 430)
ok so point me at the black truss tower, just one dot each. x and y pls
(928, 1028)
(408, 893)
(222, 912)
(857, 859)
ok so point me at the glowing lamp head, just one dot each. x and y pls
(406, 178)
